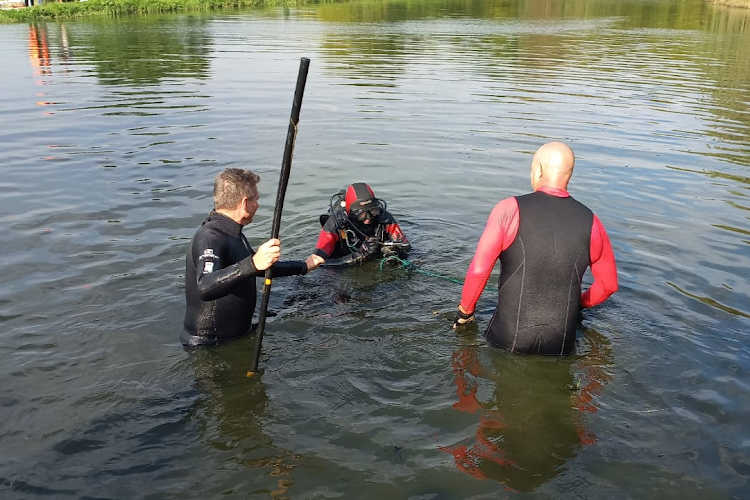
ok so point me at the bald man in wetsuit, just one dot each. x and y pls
(221, 266)
(545, 241)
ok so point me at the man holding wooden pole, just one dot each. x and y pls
(221, 266)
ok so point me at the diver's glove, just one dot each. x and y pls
(463, 318)
(398, 248)
(367, 248)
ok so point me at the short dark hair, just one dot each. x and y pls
(232, 185)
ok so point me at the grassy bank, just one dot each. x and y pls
(733, 3)
(114, 8)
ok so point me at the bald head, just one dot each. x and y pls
(552, 166)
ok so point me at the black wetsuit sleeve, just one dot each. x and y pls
(213, 279)
(353, 258)
(288, 268)
(346, 260)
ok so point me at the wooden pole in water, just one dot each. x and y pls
(286, 167)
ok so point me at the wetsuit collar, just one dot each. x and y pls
(224, 223)
(560, 193)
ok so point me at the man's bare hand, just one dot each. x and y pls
(313, 261)
(268, 253)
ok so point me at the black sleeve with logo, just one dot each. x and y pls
(214, 272)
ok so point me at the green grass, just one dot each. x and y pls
(733, 3)
(116, 8)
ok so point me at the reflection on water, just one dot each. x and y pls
(530, 425)
(145, 51)
(231, 413)
(114, 130)
(39, 50)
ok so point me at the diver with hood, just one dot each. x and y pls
(357, 228)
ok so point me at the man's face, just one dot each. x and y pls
(366, 212)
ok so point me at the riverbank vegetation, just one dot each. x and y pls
(52, 9)
(733, 3)
(116, 8)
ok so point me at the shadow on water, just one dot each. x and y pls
(531, 410)
(358, 292)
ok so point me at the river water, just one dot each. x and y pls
(113, 131)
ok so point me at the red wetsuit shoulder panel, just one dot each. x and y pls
(498, 235)
(326, 243)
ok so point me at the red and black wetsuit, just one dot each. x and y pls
(545, 241)
(332, 241)
(220, 282)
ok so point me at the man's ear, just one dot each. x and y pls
(539, 170)
(536, 173)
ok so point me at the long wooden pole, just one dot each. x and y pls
(286, 167)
